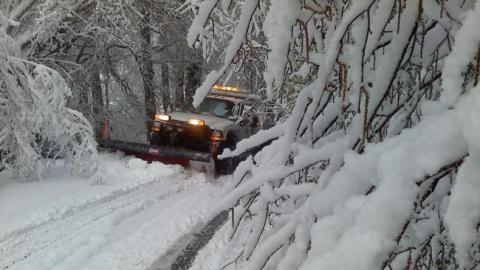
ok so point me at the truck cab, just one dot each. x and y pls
(220, 121)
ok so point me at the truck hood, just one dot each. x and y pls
(214, 122)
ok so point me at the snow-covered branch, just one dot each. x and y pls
(36, 127)
(360, 174)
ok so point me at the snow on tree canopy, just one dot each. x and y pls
(36, 127)
(248, 9)
(377, 165)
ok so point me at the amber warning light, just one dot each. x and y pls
(195, 122)
(225, 88)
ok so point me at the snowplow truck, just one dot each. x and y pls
(195, 137)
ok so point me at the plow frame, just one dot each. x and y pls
(200, 161)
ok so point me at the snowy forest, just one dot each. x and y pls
(374, 158)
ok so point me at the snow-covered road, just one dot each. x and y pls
(129, 223)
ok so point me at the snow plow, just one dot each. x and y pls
(193, 137)
(197, 160)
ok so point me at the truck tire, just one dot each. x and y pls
(228, 165)
(156, 140)
(231, 141)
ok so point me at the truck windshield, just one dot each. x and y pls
(218, 107)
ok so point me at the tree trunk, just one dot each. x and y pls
(147, 68)
(179, 95)
(165, 87)
(84, 103)
(192, 81)
(97, 102)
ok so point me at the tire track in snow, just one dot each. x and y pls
(181, 255)
(73, 209)
(99, 216)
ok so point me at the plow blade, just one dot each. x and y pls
(197, 160)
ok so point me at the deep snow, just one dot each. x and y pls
(126, 222)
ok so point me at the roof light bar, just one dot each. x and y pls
(195, 122)
(225, 88)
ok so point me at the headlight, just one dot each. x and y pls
(195, 122)
(162, 117)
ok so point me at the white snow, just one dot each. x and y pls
(248, 9)
(355, 228)
(128, 222)
(387, 65)
(278, 24)
(463, 211)
(219, 252)
(393, 167)
(464, 50)
(378, 24)
(353, 215)
(198, 24)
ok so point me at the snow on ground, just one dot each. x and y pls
(220, 252)
(64, 222)
(224, 251)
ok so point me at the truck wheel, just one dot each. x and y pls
(231, 141)
(156, 140)
(226, 166)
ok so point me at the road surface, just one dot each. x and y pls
(145, 226)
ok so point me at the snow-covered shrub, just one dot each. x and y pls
(376, 167)
(35, 124)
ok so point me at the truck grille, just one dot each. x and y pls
(176, 133)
